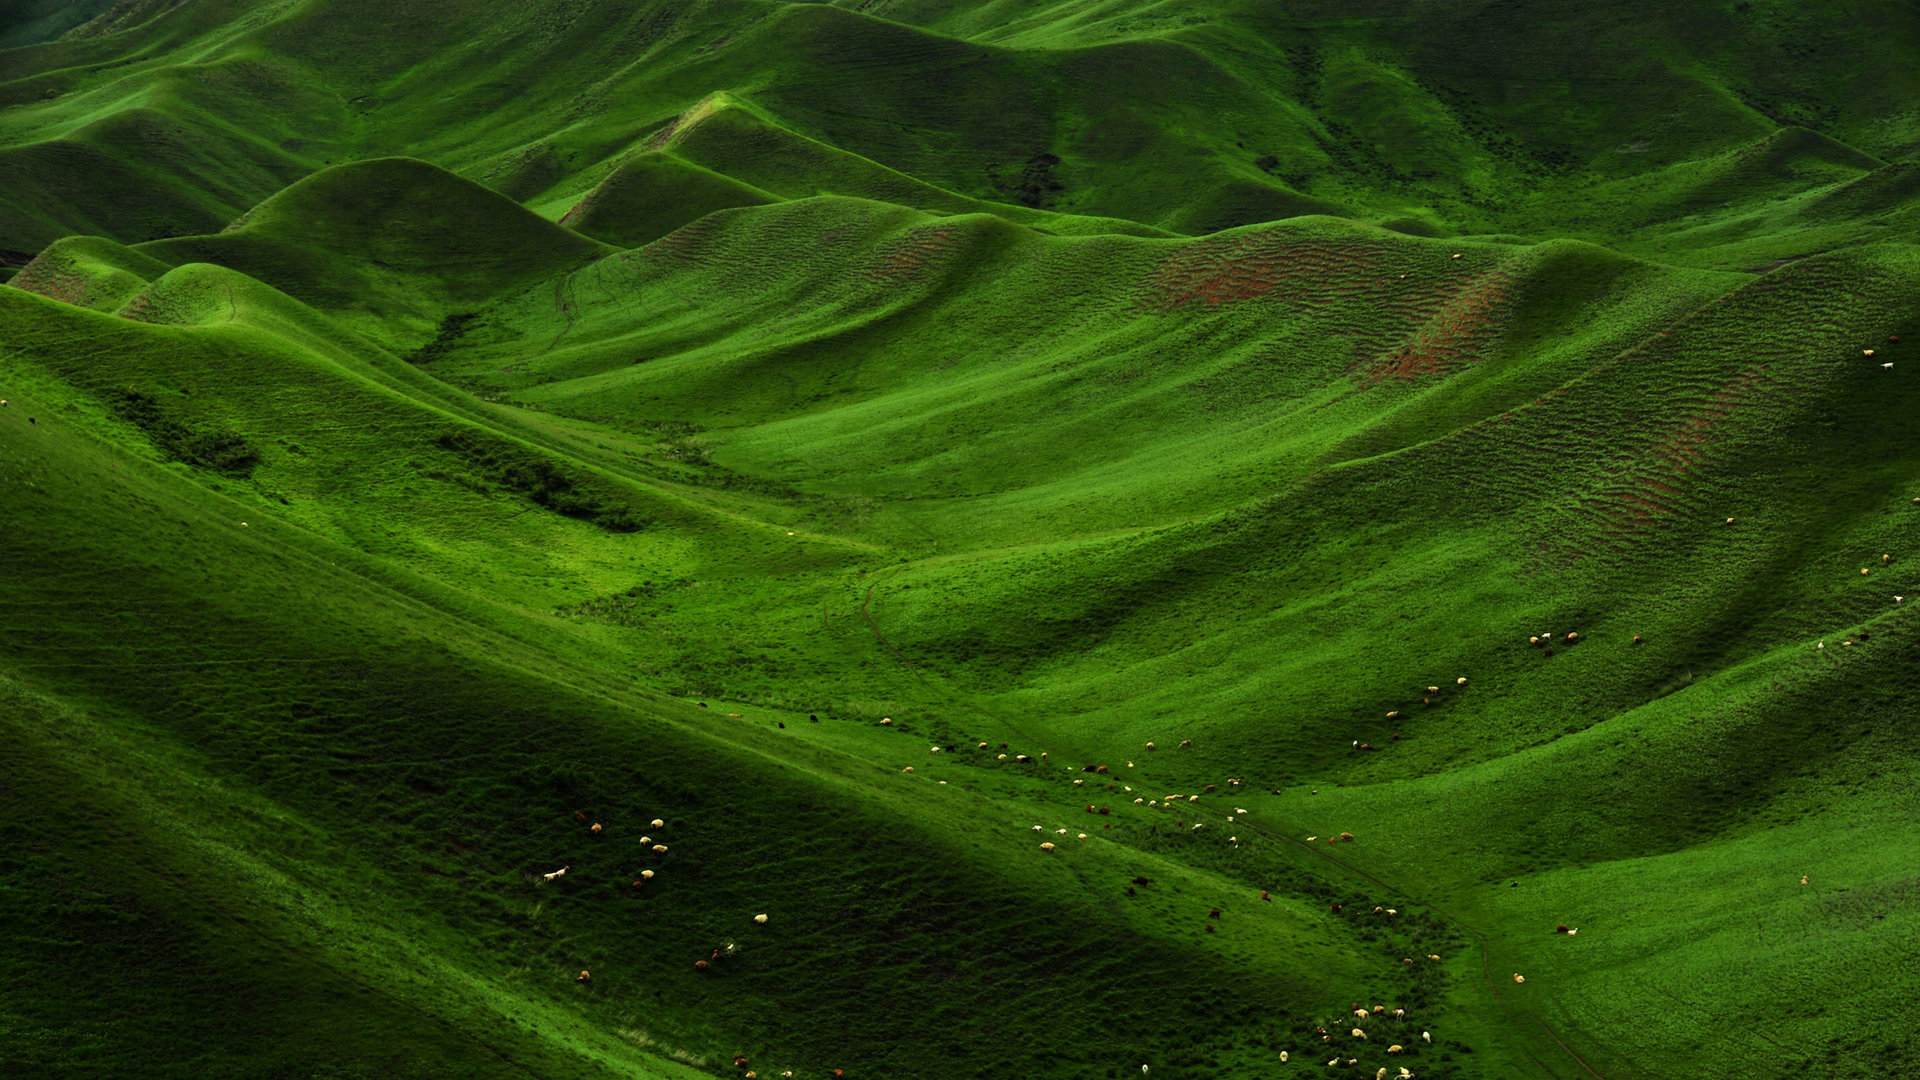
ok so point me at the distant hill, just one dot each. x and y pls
(933, 539)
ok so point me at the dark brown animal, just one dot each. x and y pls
(579, 816)
(1214, 914)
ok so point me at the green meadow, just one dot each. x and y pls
(1214, 540)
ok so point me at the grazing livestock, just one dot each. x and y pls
(580, 817)
(1283, 1057)
(648, 874)
(886, 721)
(1184, 743)
(1047, 847)
(1358, 1034)
(761, 919)
(1335, 908)
(560, 873)
(1427, 1036)
(1461, 681)
(1433, 956)
(596, 828)
(1023, 759)
(657, 823)
(1209, 928)
(1561, 929)
(1264, 896)
(1214, 914)
(1150, 746)
(701, 965)
(1636, 639)
(1519, 978)
(1394, 715)
(907, 769)
(1143, 881)
(1346, 836)
(659, 849)
(585, 976)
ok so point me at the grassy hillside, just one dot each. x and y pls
(1188, 540)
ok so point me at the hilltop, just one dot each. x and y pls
(1127, 534)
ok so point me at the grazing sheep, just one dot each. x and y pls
(596, 828)
(648, 874)
(1433, 956)
(1334, 1061)
(659, 849)
(1803, 879)
(1083, 836)
(1866, 352)
(1864, 571)
(1101, 769)
(1427, 1036)
(761, 919)
(1573, 636)
(933, 750)
(907, 769)
(1456, 255)
(1346, 836)
(1729, 521)
(1399, 1014)
(1636, 639)
(1193, 798)
(1887, 365)
(739, 1061)
(1461, 681)
(1358, 1034)
(1137, 802)
(1381, 1075)
(1394, 715)
(1573, 931)
(1002, 757)
(1361, 1013)
(1378, 1009)
(560, 873)
(1519, 978)
(886, 721)
(1047, 847)
(1311, 839)
(1533, 641)
(657, 823)
(1433, 689)
(983, 746)
(1283, 1057)
(584, 976)
(1150, 746)
(1393, 911)
(1185, 743)
(1023, 759)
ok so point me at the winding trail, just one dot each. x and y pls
(1480, 939)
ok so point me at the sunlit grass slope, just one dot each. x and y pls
(1365, 486)
(1452, 119)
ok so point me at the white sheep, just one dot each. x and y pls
(1519, 978)
(1888, 364)
(761, 919)
(1239, 809)
(1461, 681)
(646, 839)
(1039, 828)
(1083, 836)
(1427, 1036)
(1358, 1034)
(1283, 1057)
(1047, 847)
(658, 824)
(648, 874)
(1399, 1014)
(659, 849)
(1361, 1013)
(560, 873)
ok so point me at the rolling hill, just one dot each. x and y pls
(1238, 540)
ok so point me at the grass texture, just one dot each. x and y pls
(1367, 485)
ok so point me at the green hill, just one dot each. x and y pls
(1145, 542)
